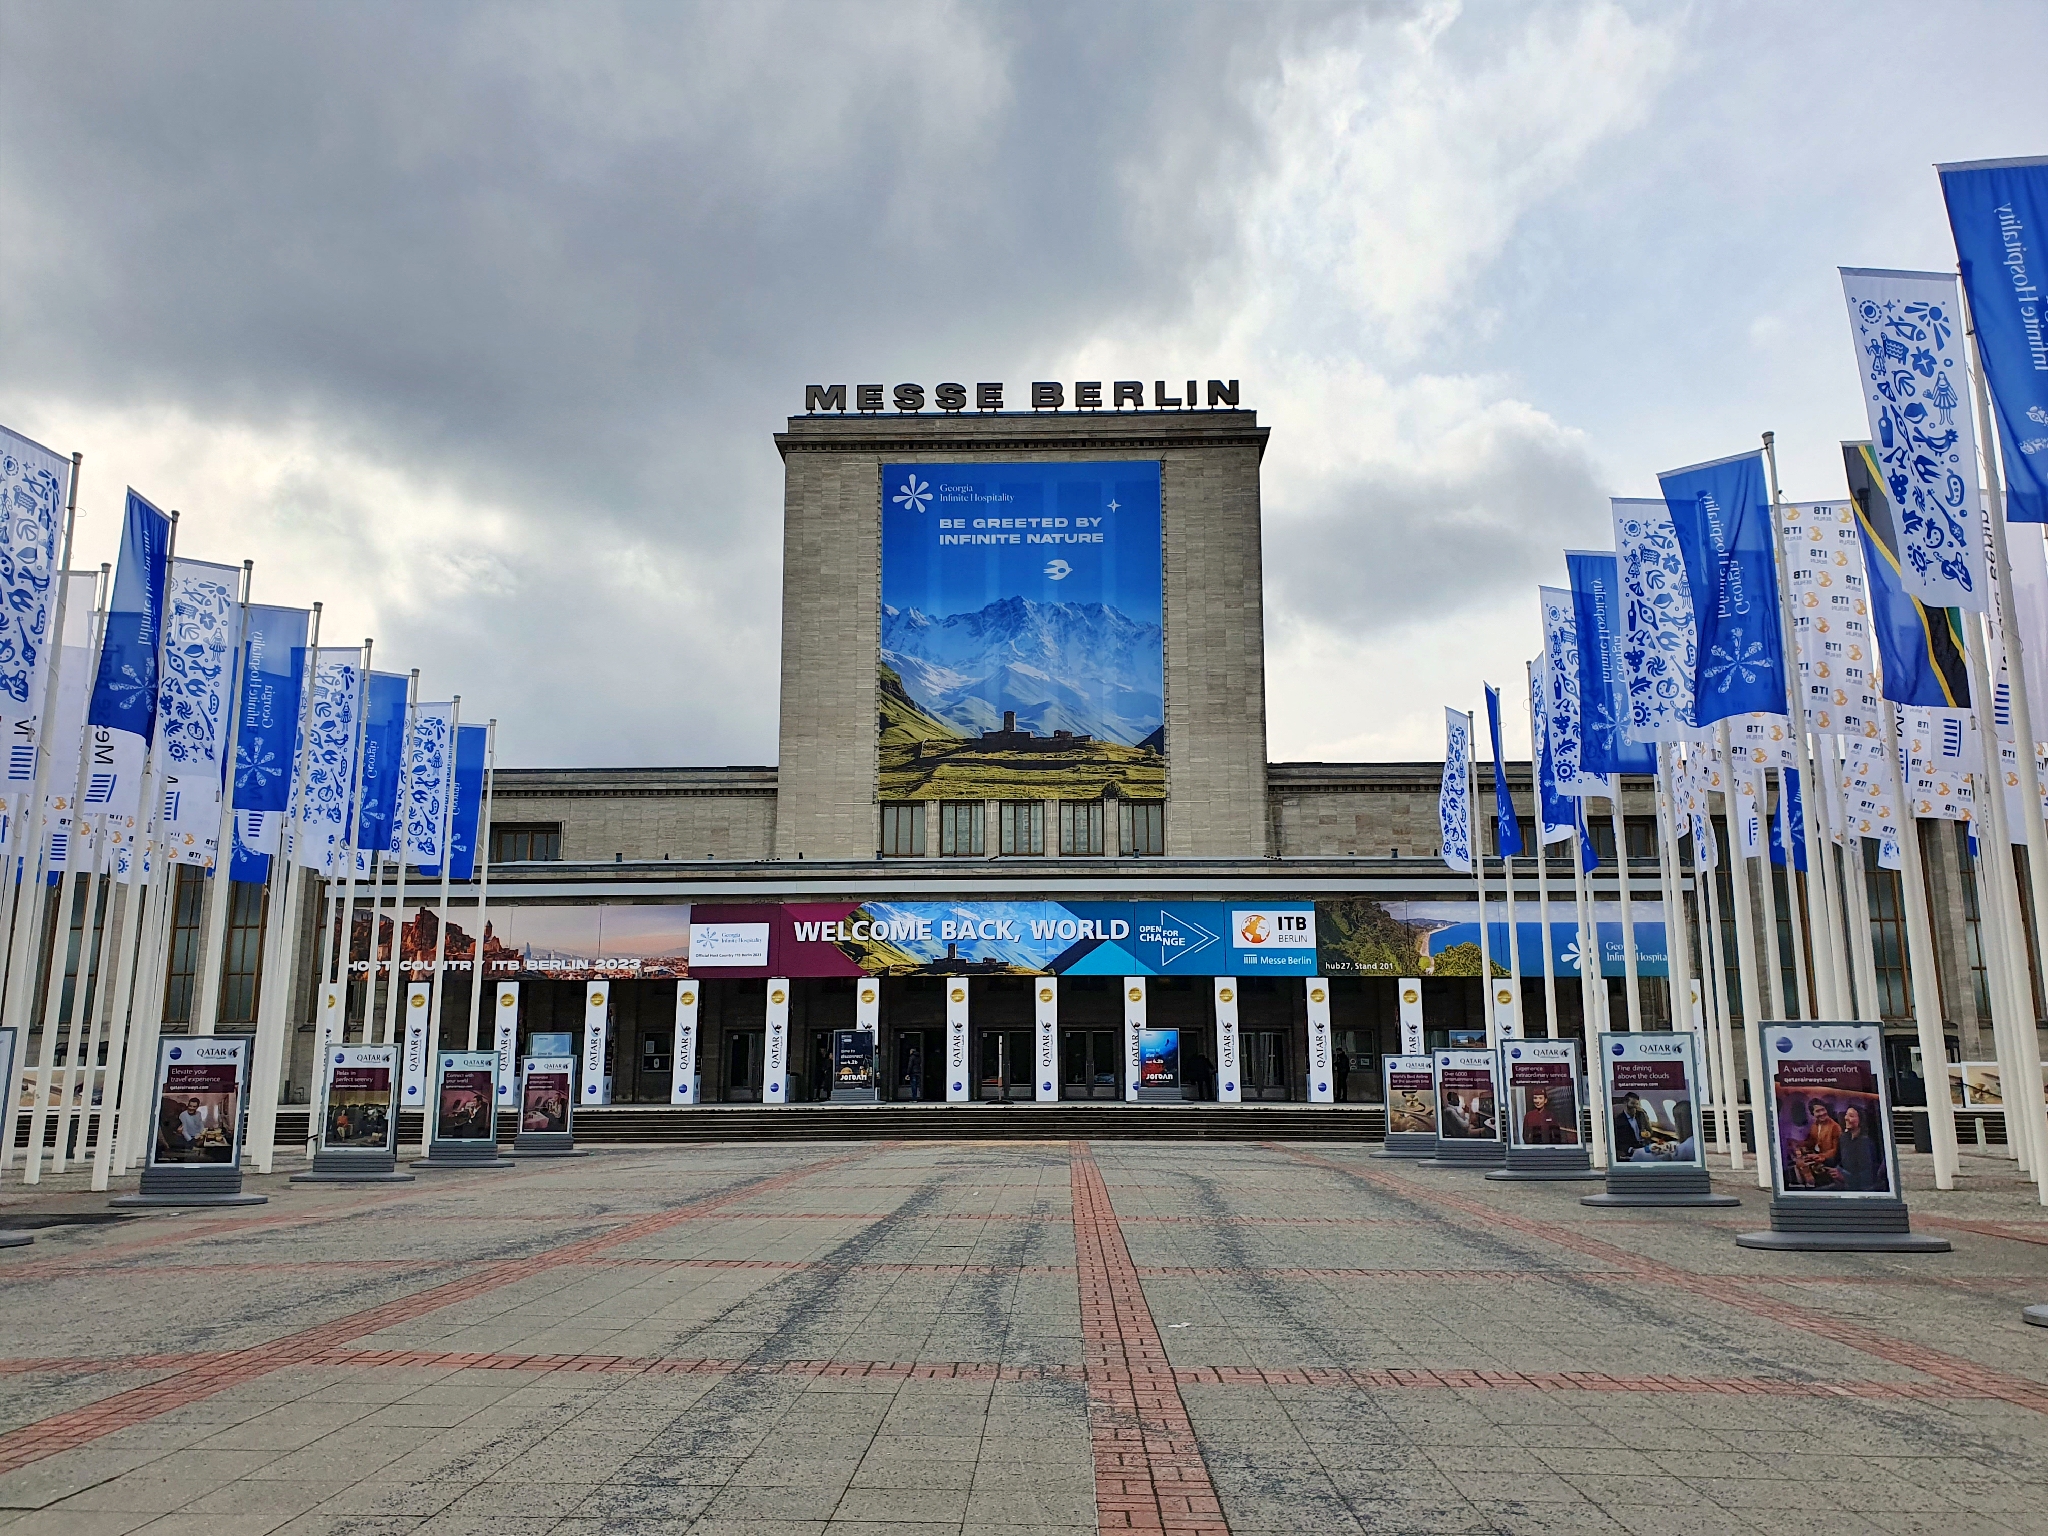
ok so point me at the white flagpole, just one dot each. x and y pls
(370, 959)
(1538, 747)
(1592, 1007)
(275, 968)
(351, 813)
(395, 983)
(1745, 959)
(81, 1048)
(1474, 819)
(47, 1083)
(1677, 956)
(1515, 945)
(1724, 1018)
(1827, 809)
(1801, 983)
(1628, 916)
(483, 870)
(2006, 1014)
(447, 869)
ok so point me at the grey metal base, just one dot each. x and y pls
(462, 1154)
(1468, 1154)
(346, 1167)
(1407, 1145)
(546, 1144)
(1840, 1226)
(190, 1184)
(2038, 1316)
(1552, 1164)
(1633, 1184)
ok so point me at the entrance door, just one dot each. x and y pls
(1091, 1064)
(917, 1065)
(1265, 1064)
(1006, 1063)
(743, 1061)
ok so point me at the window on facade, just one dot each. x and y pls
(963, 829)
(1080, 827)
(1021, 827)
(522, 842)
(1886, 895)
(903, 830)
(1141, 828)
(188, 907)
(1641, 830)
(242, 970)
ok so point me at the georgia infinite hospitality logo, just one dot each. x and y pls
(914, 495)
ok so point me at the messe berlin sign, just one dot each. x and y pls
(1044, 395)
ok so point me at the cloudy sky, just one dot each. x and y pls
(475, 323)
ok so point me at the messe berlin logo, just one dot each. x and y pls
(914, 495)
(1058, 570)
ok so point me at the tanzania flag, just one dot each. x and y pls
(1921, 648)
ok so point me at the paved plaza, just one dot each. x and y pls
(1031, 1337)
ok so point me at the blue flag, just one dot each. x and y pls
(1589, 856)
(1922, 658)
(383, 754)
(273, 678)
(124, 690)
(1508, 835)
(469, 802)
(1597, 611)
(1553, 807)
(1998, 212)
(1788, 827)
(1723, 517)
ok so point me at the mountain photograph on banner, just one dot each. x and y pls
(1022, 640)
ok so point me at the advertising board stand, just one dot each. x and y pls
(547, 1108)
(1834, 1172)
(198, 1116)
(356, 1138)
(1410, 1083)
(1655, 1155)
(463, 1113)
(7, 1118)
(1468, 1128)
(1544, 1137)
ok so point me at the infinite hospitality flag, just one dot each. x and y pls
(1454, 799)
(1509, 833)
(202, 623)
(470, 742)
(1921, 658)
(428, 782)
(1561, 690)
(383, 744)
(1916, 389)
(1998, 211)
(1659, 642)
(1596, 608)
(124, 693)
(330, 763)
(273, 680)
(1723, 518)
(33, 484)
(1554, 818)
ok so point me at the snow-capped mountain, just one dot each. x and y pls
(1081, 667)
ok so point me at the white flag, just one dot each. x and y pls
(430, 781)
(33, 485)
(1454, 799)
(1659, 640)
(1831, 619)
(327, 786)
(202, 632)
(1916, 390)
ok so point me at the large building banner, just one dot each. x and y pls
(1022, 648)
(1362, 936)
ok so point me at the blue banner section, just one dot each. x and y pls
(1998, 211)
(244, 862)
(383, 761)
(273, 677)
(1553, 808)
(1508, 835)
(1723, 516)
(1788, 827)
(1596, 611)
(470, 741)
(1651, 957)
(124, 690)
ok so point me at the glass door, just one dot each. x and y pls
(1091, 1064)
(1265, 1064)
(913, 1074)
(1005, 1063)
(743, 1063)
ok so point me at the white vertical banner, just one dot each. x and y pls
(867, 1006)
(1134, 1027)
(682, 1081)
(505, 1037)
(1504, 1007)
(1047, 1017)
(956, 1040)
(1321, 1073)
(775, 1066)
(597, 997)
(417, 998)
(1229, 1068)
(1410, 990)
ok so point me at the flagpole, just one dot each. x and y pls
(1592, 981)
(2006, 1016)
(1539, 748)
(1774, 959)
(1724, 1018)
(395, 982)
(1801, 982)
(1514, 948)
(1628, 919)
(370, 957)
(274, 994)
(1677, 962)
(447, 871)
(2033, 1112)
(1479, 874)
(482, 861)
(1827, 807)
(351, 815)
(1745, 961)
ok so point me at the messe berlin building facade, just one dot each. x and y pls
(1023, 825)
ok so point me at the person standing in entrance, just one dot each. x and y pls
(1342, 1064)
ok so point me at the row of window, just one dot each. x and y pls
(1021, 830)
